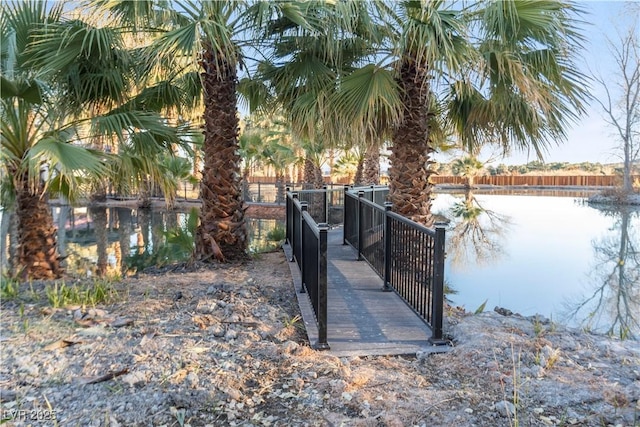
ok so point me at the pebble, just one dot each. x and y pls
(258, 377)
(505, 408)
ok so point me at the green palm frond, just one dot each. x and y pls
(367, 94)
(122, 123)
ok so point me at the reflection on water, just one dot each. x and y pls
(476, 233)
(119, 240)
(555, 256)
(612, 298)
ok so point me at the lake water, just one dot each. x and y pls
(124, 240)
(551, 255)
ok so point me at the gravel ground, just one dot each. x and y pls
(225, 346)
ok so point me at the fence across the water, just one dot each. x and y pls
(536, 180)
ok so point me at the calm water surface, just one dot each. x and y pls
(123, 240)
(555, 256)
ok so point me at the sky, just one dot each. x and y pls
(591, 138)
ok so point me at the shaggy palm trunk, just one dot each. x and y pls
(280, 188)
(410, 189)
(99, 215)
(318, 179)
(222, 232)
(299, 174)
(124, 235)
(358, 178)
(37, 252)
(309, 174)
(372, 165)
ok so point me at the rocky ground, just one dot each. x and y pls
(225, 346)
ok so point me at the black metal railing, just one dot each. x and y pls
(408, 256)
(308, 241)
(271, 192)
(324, 205)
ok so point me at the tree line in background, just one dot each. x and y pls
(113, 94)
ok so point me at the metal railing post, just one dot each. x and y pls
(303, 208)
(292, 242)
(437, 309)
(287, 207)
(325, 201)
(360, 222)
(322, 343)
(344, 214)
(387, 248)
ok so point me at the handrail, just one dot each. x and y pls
(308, 241)
(408, 256)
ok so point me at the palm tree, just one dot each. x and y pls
(467, 167)
(491, 72)
(310, 76)
(35, 135)
(211, 38)
(349, 165)
(65, 82)
(371, 174)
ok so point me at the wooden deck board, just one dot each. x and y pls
(362, 319)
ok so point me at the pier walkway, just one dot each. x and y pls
(361, 319)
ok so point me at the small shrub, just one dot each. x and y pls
(98, 292)
(278, 234)
(9, 289)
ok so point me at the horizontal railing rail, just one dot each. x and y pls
(308, 241)
(408, 256)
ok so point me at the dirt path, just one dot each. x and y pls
(223, 346)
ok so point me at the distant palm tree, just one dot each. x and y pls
(310, 74)
(467, 167)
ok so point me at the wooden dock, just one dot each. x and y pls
(362, 319)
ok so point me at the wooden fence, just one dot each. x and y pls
(503, 180)
(539, 180)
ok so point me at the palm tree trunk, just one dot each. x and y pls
(410, 189)
(38, 251)
(222, 232)
(318, 181)
(280, 189)
(99, 215)
(358, 179)
(309, 173)
(372, 165)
